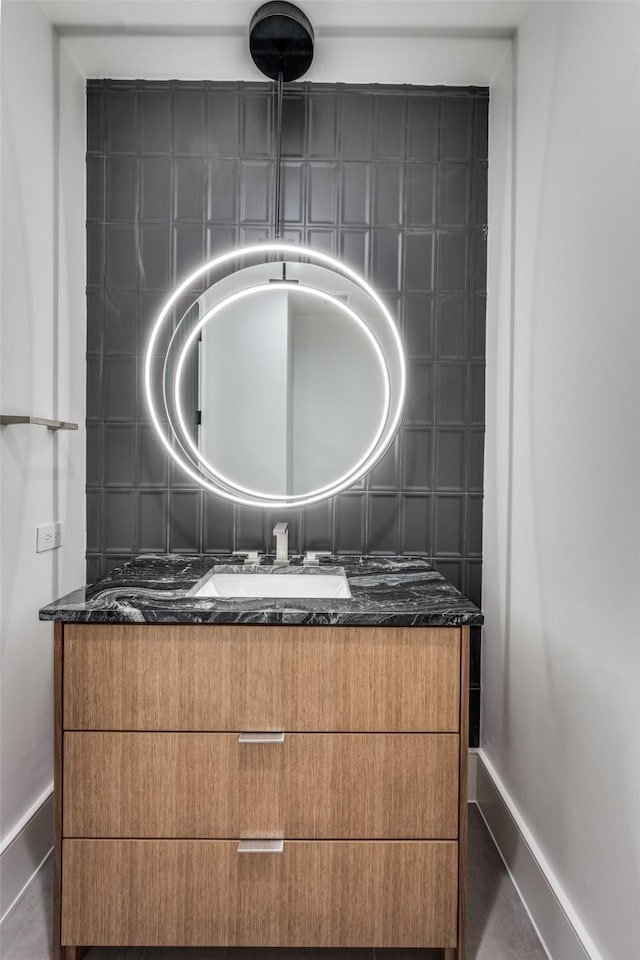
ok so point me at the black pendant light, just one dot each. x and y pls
(281, 41)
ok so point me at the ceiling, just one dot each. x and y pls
(423, 42)
(497, 18)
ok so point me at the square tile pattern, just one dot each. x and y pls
(393, 180)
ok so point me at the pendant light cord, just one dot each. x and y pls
(279, 156)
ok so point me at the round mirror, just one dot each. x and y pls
(282, 382)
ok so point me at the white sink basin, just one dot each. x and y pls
(283, 583)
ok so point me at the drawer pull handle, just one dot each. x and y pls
(276, 736)
(260, 846)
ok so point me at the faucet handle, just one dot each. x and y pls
(251, 556)
(311, 556)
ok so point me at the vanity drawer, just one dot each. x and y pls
(210, 785)
(313, 893)
(223, 678)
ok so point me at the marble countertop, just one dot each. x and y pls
(385, 591)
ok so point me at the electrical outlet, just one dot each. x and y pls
(48, 536)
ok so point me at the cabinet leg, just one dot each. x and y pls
(72, 953)
(450, 953)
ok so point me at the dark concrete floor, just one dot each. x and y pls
(498, 925)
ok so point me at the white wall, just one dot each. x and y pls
(41, 373)
(337, 402)
(244, 362)
(561, 661)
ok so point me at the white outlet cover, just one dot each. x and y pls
(48, 536)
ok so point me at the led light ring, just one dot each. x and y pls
(271, 288)
(198, 460)
(349, 478)
(302, 252)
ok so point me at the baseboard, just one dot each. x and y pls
(557, 924)
(24, 852)
(472, 776)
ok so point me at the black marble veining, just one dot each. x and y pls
(385, 591)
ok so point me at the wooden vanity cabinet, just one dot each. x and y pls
(184, 817)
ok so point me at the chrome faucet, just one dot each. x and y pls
(282, 543)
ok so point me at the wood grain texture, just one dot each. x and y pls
(312, 786)
(145, 677)
(199, 892)
(58, 660)
(463, 798)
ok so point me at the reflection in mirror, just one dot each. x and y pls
(282, 382)
(292, 389)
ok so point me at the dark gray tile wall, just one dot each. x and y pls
(391, 179)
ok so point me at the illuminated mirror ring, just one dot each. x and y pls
(181, 431)
(348, 476)
(304, 254)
